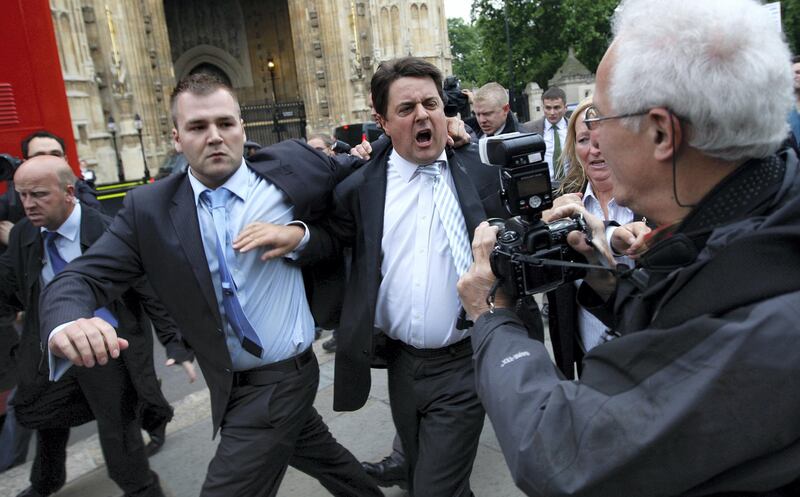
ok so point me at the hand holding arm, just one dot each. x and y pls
(457, 135)
(276, 239)
(362, 150)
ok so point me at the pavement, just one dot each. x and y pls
(182, 462)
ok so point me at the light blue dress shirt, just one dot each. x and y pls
(271, 293)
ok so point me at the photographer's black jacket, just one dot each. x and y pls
(699, 395)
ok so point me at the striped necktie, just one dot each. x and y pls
(558, 166)
(451, 217)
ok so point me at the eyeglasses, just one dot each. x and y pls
(592, 117)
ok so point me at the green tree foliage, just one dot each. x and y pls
(790, 18)
(467, 49)
(541, 32)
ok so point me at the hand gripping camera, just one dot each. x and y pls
(530, 256)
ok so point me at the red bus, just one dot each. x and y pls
(32, 92)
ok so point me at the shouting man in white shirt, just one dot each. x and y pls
(409, 215)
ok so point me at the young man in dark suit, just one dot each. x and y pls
(246, 318)
(55, 230)
(408, 215)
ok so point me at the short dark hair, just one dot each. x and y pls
(40, 134)
(201, 84)
(325, 137)
(391, 70)
(795, 59)
(554, 93)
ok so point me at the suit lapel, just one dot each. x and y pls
(372, 200)
(468, 198)
(92, 227)
(33, 246)
(183, 214)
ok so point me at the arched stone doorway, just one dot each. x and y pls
(237, 39)
(208, 68)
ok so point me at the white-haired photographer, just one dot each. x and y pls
(698, 395)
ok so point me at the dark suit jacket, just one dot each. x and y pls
(20, 286)
(157, 234)
(536, 126)
(357, 221)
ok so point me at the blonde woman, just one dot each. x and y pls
(588, 181)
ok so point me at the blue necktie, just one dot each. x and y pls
(58, 263)
(451, 217)
(217, 200)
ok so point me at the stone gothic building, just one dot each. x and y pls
(573, 77)
(121, 58)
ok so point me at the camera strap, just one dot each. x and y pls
(618, 270)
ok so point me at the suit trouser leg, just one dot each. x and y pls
(14, 439)
(112, 399)
(439, 418)
(49, 470)
(318, 454)
(268, 427)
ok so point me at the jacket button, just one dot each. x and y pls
(365, 352)
(227, 370)
(219, 330)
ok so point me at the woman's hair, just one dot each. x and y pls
(575, 179)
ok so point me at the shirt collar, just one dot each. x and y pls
(69, 229)
(589, 194)
(407, 169)
(561, 125)
(237, 183)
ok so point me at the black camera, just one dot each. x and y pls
(8, 166)
(455, 102)
(530, 256)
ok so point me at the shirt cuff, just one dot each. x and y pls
(295, 254)
(58, 365)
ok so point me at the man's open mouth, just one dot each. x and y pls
(424, 137)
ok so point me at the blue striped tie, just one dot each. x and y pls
(57, 263)
(217, 200)
(450, 215)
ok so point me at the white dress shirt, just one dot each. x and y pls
(548, 141)
(590, 328)
(417, 301)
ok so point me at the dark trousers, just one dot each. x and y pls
(270, 426)
(106, 391)
(438, 416)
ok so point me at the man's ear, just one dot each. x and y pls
(506, 107)
(666, 132)
(176, 141)
(382, 124)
